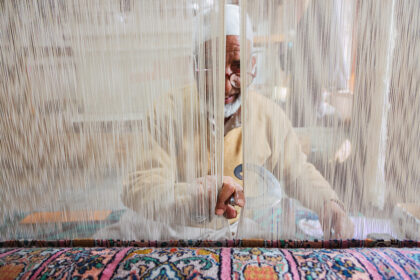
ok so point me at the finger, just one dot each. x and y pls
(343, 226)
(348, 228)
(351, 229)
(239, 197)
(326, 224)
(220, 211)
(339, 228)
(327, 231)
(227, 190)
(230, 212)
(220, 208)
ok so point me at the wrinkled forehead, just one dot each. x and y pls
(233, 44)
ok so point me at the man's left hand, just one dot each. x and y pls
(335, 222)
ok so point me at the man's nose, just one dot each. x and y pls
(228, 85)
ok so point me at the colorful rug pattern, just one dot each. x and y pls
(244, 243)
(208, 263)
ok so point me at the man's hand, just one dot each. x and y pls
(230, 188)
(336, 219)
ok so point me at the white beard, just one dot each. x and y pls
(232, 108)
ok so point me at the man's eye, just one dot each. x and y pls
(236, 67)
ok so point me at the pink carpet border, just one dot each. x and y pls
(235, 243)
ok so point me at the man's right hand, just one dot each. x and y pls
(230, 188)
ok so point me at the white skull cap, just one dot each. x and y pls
(232, 24)
(233, 21)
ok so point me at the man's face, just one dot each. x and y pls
(233, 65)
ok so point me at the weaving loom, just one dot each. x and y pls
(121, 157)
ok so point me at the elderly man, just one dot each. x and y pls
(165, 205)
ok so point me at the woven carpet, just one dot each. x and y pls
(208, 263)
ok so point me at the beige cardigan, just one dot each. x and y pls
(171, 157)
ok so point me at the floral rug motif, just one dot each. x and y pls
(208, 263)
